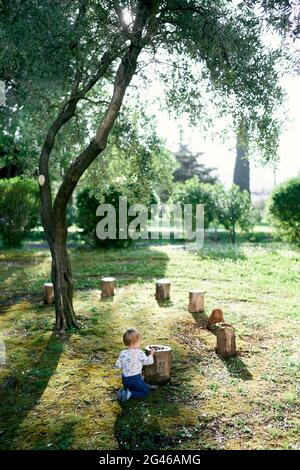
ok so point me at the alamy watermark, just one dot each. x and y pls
(183, 221)
(2, 93)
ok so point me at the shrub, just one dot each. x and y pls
(233, 207)
(87, 219)
(284, 210)
(259, 211)
(194, 192)
(19, 209)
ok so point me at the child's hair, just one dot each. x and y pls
(131, 336)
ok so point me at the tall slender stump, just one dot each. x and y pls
(226, 343)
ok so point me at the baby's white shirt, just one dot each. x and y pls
(131, 361)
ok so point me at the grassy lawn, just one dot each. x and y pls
(59, 393)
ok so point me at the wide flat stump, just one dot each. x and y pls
(158, 373)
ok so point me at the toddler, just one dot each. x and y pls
(131, 361)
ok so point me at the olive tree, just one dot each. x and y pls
(60, 58)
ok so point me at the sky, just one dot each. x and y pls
(222, 155)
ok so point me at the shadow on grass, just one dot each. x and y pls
(237, 368)
(128, 266)
(21, 391)
(257, 236)
(61, 438)
(137, 426)
(165, 303)
(201, 318)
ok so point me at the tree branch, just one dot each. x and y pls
(123, 77)
(95, 102)
(67, 111)
(123, 25)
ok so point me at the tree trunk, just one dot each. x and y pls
(241, 176)
(54, 214)
(62, 280)
(233, 235)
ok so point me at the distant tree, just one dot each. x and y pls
(190, 166)
(194, 192)
(233, 208)
(241, 175)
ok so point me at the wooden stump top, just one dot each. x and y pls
(163, 281)
(158, 348)
(223, 325)
(48, 284)
(197, 291)
(108, 279)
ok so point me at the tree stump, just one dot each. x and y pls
(163, 287)
(48, 293)
(158, 373)
(196, 301)
(217, 316)
(226, 344)
(108, 286)
(2, 353)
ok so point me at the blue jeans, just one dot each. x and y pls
(136, 385)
